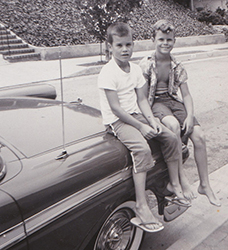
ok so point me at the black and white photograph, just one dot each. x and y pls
(113, 124)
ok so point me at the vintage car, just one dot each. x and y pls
(65, 183)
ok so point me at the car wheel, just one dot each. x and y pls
(117, 233)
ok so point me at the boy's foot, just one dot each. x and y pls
(186, 188)
(210, 195)
(188, 193)
(178, 193)
(146, 220)
(145, 226)
(178, 201)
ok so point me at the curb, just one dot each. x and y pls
(93, 49)
(195, 55)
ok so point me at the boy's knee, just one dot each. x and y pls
(172, 124)
(175, 127)
(199, 137)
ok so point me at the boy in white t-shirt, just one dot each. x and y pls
(126, 111)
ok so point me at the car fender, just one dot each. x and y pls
(11, 222)
(32, 90)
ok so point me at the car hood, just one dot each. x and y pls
(34, 125)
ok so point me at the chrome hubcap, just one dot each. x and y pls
(117, 233)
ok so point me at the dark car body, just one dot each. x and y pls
(66, 190)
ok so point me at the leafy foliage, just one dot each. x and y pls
(185, 3)
(183, 18)
(97, 15)
(59, 22)
(220, 16)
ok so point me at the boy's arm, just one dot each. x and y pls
(145, 89)
(113, 100)
(188, 103)
(146, 109)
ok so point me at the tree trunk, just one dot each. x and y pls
(101, 50)
(192, 4)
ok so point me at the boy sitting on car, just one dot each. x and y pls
(126, 111)
(164, 76)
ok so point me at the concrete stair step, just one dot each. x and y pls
(7, 37)
(4, 32)
(11, 41)
(13, 46)
(23, 57)
(18, 51)
(13, 49)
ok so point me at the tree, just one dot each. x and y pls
(186, 3)
(97, 15)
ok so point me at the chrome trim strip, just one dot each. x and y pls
(57, 210)
(3, 172)
(12, 236)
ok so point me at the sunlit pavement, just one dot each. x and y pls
(44, 71)
(201, 226)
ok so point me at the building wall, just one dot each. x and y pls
(211, 4)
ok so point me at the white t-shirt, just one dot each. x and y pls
(112, 77)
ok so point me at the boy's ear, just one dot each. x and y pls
(109, 46)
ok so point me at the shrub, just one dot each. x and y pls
(215, 18)
(220, 11)
(59, 22)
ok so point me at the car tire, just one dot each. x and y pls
(117, 232)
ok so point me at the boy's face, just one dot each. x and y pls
(164, 42)
(122, 48)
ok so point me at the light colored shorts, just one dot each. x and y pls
(138, 146)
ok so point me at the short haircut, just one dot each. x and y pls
(118, 29)
(164, 25)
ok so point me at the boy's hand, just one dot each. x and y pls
(188, 125)
(147, 131)
(156, 125)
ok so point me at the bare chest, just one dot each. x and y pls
(163, 70)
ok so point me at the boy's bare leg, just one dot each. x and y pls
(200, 155)
(171, 123)
(142, 208)
(174, 184)
(186, 188)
